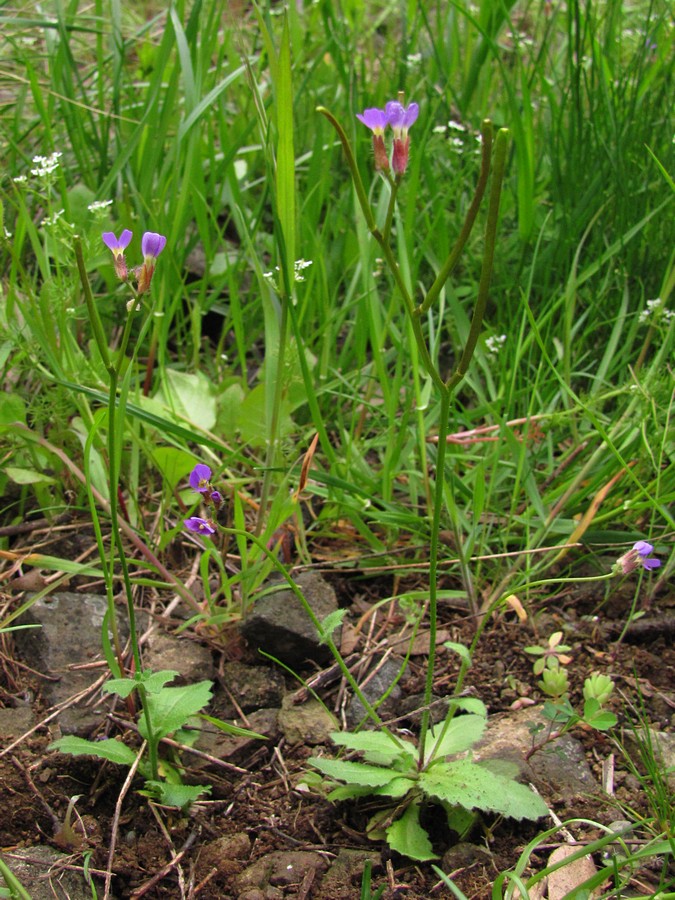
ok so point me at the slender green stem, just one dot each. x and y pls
(153, 741)
(453, 258)
(433, 561)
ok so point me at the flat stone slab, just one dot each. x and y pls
(558, 770)
(69, 635)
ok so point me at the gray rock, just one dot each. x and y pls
(70, 635)
(559, 769)
(278, 871)
(279, 624)
(192, 661)
(252, 687)
(14, 722)
(373, 689)
(307, 723)
(346, 872)
(463, 855)
(40, 872)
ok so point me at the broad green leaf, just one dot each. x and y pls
(377, 746)
(120, 686)
(154, 682)
(189, 395)
(21, 475)
(353, 772)
(110, 749)
(12, 409)
(173, 463)
(461, 734)
(397, 787)
(172, 707)
(407, 836)
(180, 795)
(350, 792)
(465, 783)
(471, 705)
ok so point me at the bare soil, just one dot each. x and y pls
(164, 853)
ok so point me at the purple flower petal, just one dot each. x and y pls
(152, 244)
(216, 497)
(200, 477)
(650, 564)
(199, 526)
(374, 118)
(115, 244)
(644, 548)
(401, 117)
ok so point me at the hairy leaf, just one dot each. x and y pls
(354, 772)
(407, 836)
(172, 707)
(378, 747)
(461, 734)
(465, 783)
(110, 749)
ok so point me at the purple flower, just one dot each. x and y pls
(199, 526)
(375, 119)
(118, 246)
(216, 498)
(637, 556)
(200, 478)
(152, 245)
(401, 117)
(643, 549)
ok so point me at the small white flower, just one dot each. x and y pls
(8, 234)
(299, 266)
(46, 164)
(48, 221)
(414, 58)
(20, 179)
(99, 205)
(495, 343)
(456, 126)
(439, 129)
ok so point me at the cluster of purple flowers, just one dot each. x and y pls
(152, 245)
(200, 481)
(638, 555)
(399, 118)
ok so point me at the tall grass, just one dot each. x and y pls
(201, 125)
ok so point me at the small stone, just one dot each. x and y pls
(253, 687)
(191, 660)
(306, 723)
(373, 689)
(278, 622)
(14, 722)
(463, 855)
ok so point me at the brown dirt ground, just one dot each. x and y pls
(264, 804)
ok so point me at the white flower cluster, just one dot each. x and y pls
(99, 205)
(50, 221)
(495, 343)
(655, 310)
(46, 164)
(298, 266)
